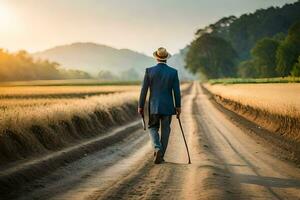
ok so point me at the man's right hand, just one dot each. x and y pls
(178, 112)
(141, 111)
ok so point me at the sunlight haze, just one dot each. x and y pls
(139, 25)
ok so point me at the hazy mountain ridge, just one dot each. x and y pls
(93, 58)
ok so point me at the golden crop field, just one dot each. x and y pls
(36, 119)
(20, 105)
(40, 118)
(60, 91)
(48, 110)
(274, 107)
(38, 96)
(279, 98)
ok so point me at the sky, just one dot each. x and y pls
(140, 25)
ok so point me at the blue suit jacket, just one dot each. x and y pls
(163, 83)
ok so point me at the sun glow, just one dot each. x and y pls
(6, 16)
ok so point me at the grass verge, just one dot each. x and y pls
(255, 80)
(281, 130)
(26, 133)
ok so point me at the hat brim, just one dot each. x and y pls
(161, 58)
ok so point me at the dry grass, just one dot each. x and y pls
(25, 132)
(6, 104)
(31, 126)
(255, 80)
(33, 97)
(45, 113)
(47, 92)
(69, 82)
(60, 91)
(275, 107)
(282, 99)
(38, 119)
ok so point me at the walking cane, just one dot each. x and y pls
(187, 149)
(143, 122)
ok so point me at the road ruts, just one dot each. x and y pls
(226, 162)
(251, 166)
(175, 179)
(164, 181)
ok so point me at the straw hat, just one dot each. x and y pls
(161, 54)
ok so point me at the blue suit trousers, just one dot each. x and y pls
(155, 120)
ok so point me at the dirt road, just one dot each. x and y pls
(226, 164)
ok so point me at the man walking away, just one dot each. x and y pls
(163, 83)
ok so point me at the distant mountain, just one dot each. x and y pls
(93, 58)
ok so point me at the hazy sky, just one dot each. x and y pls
(140, 25)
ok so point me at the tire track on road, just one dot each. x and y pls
(205, 178)
(164, 181)
(251, 166)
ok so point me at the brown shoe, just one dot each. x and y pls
(158, 157)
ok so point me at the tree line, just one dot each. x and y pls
(21, 66)
(261, 44)
(274, 56)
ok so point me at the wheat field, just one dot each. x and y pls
(275, 107)
(60, 91)
(38, 119)
(279, 98)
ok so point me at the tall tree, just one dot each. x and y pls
(212, 56)
(289, 51)
(296, 69)
(264, 54)
(248, 69)
(243, 32)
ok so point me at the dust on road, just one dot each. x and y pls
(226, 164)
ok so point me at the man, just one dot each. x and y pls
(163, 83)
